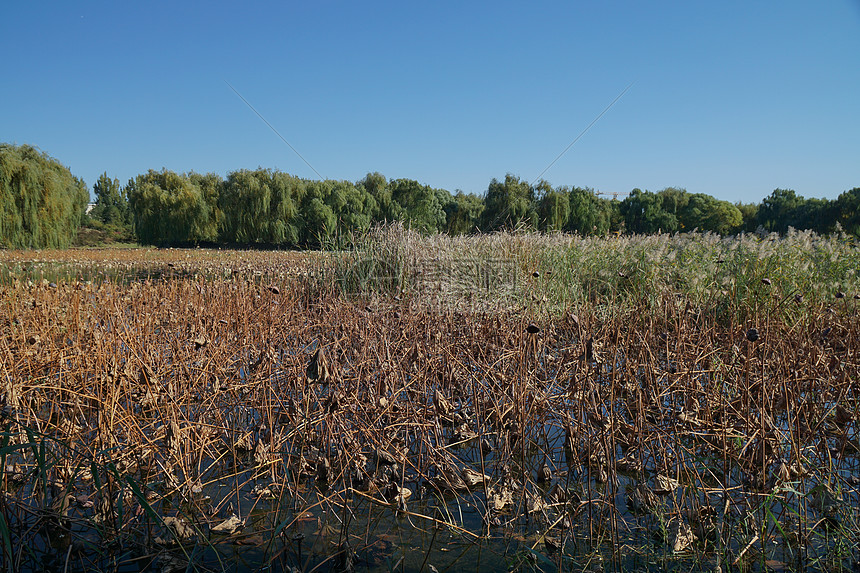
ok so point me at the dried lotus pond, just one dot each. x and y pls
(276, 411)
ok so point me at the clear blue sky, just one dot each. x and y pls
(731, 98)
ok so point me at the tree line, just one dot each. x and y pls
(275, 208)
(42, 204)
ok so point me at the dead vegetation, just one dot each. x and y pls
(184, 419)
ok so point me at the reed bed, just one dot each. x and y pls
(376, 410)
(724, 276)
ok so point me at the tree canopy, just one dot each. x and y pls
(508, 205)
(41, 203)
(589, 214)
(170, 208)
(111, 205)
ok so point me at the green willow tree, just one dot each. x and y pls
(553, 209)
(462, 213)
(352, 206)
(210, 185)
(333, 212)
(784, 209)
(589, 214)
(776, 211)
(509, 204)
(169, 208)
(818, 215)
(420, 205)
(749, 216)
(261, 206)
(387, 210)
(319, 222)
(42, 204)
(706, 213)
(643, 213)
